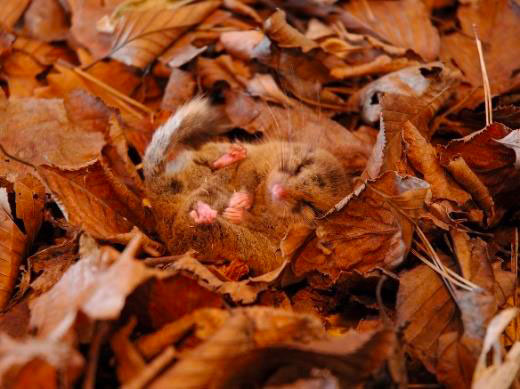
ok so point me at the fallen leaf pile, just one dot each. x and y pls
(410, 280)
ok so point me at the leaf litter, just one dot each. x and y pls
(411, 279)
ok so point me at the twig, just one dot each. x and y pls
(108, 88)
(514, 269)
(485, 79)
(102, 329)
(151, 369)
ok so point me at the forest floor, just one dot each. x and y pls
(410, 281)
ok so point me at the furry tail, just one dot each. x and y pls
(191, 125)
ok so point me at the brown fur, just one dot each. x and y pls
(314, 178)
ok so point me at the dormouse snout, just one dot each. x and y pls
(278, 192)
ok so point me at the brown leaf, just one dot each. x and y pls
(351, 358)
(129, 360)
(285, 35)
(512, 141)
(115, 74)
(224, 68)
(44, 53)
(240, 291)
(181, 87)
(20, 71)
(46, 20)
(11, 11)
(497, 24)
(457, 359)
(45, 136)
(398, 109)
(424, 304)
(263, 85)
(244, 9)
(30, 199)
(167, 300)
(242, 44)
(85, 13)
(16, 353)
(140, 36)
(424, 80)
(405, 24)
(500, 373)
(14, 244)
(490, 161)
(94, 286)
(366, 231)
(15, 322)
(52, 262)
(82, 204)
(423, 157)
(382, 64)
(245, 330)
(203, 321)
(426, 308)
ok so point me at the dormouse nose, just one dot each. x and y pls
(278, 192)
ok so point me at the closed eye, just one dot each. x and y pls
(315, 209)
(304, 163)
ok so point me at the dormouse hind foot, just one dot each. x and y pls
(235, 153)
(238, 204)
(203, 213)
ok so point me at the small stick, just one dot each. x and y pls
(107, 87)
(514, 269)
(102, 330)
(485, 79)
(151, 370)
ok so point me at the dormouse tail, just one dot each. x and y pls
(191, 125)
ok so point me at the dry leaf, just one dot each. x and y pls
(30, 199)
(180, 88)
(242, 44)
(398, 109)
(285, 35)
(129, 360)
(501, 373)
(263, 85)
(426, 308)
(11, 12)
(93, 285)
(423, 158)
(497, 23)
(413, 81)
(140, 36)
(46, 20)
(493, 176)
(82, 205)
(512, 141)
(16, 353)
(14, 244)
(404, 24)
(246, 329)
(240, 291)
(167, 300)
(40, 138)
(366, 231)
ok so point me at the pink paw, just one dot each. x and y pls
(234, 215)
(203, 213)
(235, 153)
(240, 200)
(238, 204)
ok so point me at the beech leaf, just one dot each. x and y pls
(140, 36)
